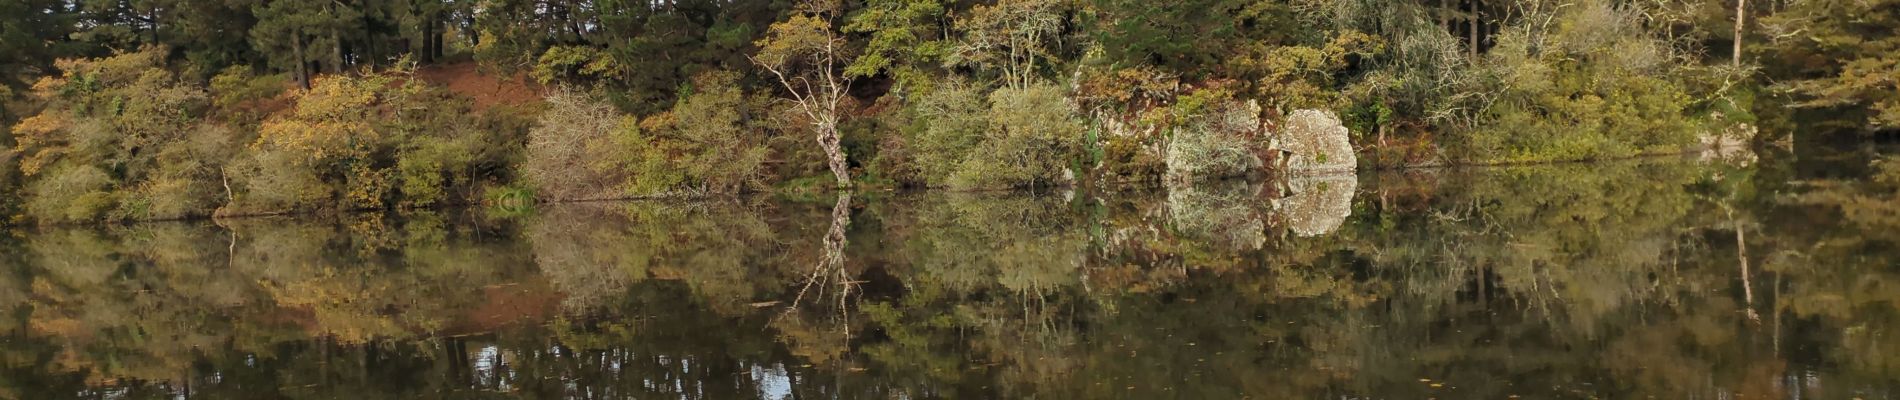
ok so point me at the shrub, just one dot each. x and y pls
(950, 122)
(1130, 158)
(368, 142)
(428, 171)
(574, 64)
(70, 193)
(712, 141)
(274, 180)
(122, 122)
(1219, 141)
(243, 98)
(189, 180)
(237, 85)
(1599, 88)
(1032, 139)
(717, 135)
(571, 150)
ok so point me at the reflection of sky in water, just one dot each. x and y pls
(774, 383)
(488, 368)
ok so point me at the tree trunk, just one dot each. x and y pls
(834, 152)
(1741, 9)
(368, 49)
(154, 25)
(436, 28)
(1474, 29)
(336, 51)
(1444, 15)
(426, 50)
(303, 68)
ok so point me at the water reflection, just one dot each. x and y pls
(1664, 278)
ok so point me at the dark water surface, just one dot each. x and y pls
(1659, 278)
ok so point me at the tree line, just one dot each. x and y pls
(148, 109)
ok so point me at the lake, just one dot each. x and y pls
(1673, 277)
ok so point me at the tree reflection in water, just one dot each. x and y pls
(1658, 278)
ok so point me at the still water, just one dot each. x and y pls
(1672, 278)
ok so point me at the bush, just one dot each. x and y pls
(717, 136)
(571, 149)
(950, 122)
(116, 123)
(1601, 88)
(1217, 139)
(1032, 139)
(70, 193)
(711, 142)
(188, 182)
(574, 64)
(273, 181)
(368, 142)
(238, 94)
(428, 171)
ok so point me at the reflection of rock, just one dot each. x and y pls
(1730, 146)
(1317, 205)
(1314, 141)
(1221, 212)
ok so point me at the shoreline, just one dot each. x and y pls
(216, 218)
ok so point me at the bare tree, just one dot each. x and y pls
(807, 55)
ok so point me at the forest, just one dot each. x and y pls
(129, 110)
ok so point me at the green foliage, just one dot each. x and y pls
(238, 85)
(1298, 76)
(25, 29)
(369, 142)
(1186, 36)
(1216, 137)
(1032, 140)
(1018, 40)
(951, 121)
(714, 138)
(1363, 118)
(574, 64)
(905, 40)
(119, 134)
(1841, 56)
(1599, 88)
(242, 97)
(1016, 138)
(430, 169)
(898, 91)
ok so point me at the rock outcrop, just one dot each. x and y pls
(1313, 141)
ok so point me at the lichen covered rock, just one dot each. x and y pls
(1314, 141)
